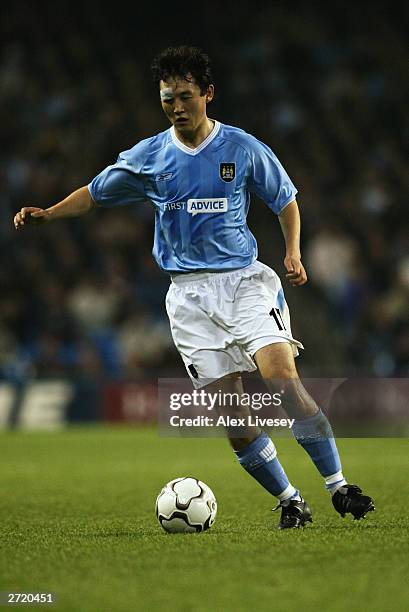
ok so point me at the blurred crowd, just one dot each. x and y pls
(326, 89)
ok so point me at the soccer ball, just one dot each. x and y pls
(186, 505)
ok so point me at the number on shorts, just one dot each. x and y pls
(275, 312)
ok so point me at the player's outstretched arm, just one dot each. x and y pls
(77, 203)
(291, 227)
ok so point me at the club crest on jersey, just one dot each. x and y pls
(227, 171)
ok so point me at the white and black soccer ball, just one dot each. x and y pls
(186, 505)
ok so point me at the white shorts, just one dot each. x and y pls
(219, 320)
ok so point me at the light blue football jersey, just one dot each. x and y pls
(201, 196)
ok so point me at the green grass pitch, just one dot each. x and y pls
(77, 518)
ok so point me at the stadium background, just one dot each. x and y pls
(83, 333)
(82, 300)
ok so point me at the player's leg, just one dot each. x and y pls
(201, 325)
(311, 428)
(257, 454)
(231, 385)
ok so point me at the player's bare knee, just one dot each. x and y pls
(282, 372)
(276, 361)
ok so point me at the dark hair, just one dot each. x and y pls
(179, 62)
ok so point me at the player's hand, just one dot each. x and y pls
(296, 273)
(30, 215)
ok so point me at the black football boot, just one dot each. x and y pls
(349, 498)
(294, 514)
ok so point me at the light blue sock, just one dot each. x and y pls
(259, 458)
(315, 435)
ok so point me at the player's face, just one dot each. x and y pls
(183, 103)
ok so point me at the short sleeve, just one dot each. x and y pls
(268, 179)
(118, 185)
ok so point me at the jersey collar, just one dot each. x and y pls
(202, 145)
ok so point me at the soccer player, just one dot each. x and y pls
(227, 310)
